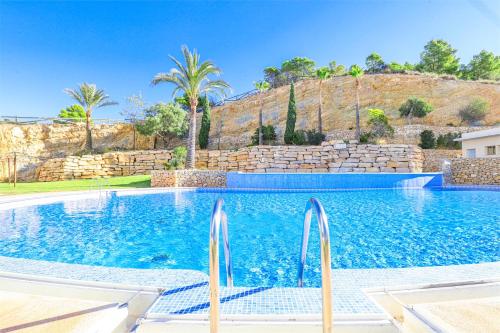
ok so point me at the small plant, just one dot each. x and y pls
(268, 135)
(365, 137)
(315, 138)
(447, 141)
(427, 140)
(473, 112)
(299, 138)
(379, 124)
(178, 160)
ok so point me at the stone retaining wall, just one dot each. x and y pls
(332, 156)
(188, 178)
(433, 158)
(475, 171)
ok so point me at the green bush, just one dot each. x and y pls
(365, 137)
(268, 135)
(315, 138)
(299, 138)
(474, 111)
(447, 141)
(427, 140)
(379, 124)
(415, 107)
(178, 160)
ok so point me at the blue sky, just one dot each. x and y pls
(48, 46)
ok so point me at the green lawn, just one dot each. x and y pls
(75, 185)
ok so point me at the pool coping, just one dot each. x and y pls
(349, 284)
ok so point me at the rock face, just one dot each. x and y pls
(334, 156)
(475, 171)
(235, 122)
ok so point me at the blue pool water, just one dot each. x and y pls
(369, 229)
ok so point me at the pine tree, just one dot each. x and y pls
(291, 117)
(205, 125)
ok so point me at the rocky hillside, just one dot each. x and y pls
(235, 122)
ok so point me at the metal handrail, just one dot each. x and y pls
(326, 267)
(218, 216)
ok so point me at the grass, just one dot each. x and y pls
(138, 181)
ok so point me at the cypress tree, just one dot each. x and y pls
(205, 125)
(291, 117)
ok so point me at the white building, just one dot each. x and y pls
(484, 143)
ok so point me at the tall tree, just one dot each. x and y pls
(357, 72)
(261, 86)
(322, 74)
(336, 70)
(90, 98)
(193, 79)
(484, 65)
(164, 121)
(205, 124)
(297, 68)
(291, 117)
(438, 57)
(374, 63)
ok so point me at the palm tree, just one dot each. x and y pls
(90, 98)
(261, 86)
(356, 72)
(322, 74)
(193, 80)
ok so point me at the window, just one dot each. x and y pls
(471, 153)
(490, 150)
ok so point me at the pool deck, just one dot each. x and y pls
(185, 292)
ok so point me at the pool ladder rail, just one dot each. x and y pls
(326, 262)
(219, 217)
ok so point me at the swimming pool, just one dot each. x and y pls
(369, 229)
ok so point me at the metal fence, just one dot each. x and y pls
(46, 120)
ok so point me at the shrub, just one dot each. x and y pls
(315, 138)
(365, 137)
(299, 138)
(415, 107)
(379, 124)
(427, 140)
(178, 160)
(291, 117)
(447, 141)
(474, 111)
(205, 125)
(163, 120)
(268, 135)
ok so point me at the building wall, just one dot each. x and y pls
(480, 144)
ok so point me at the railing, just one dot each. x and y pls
(326, 267)
(55, 120)
(218, 217)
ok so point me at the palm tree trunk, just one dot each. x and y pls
(191, 144)
(358, 128)
(88, 130)
(260, 121)
(320, 120)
